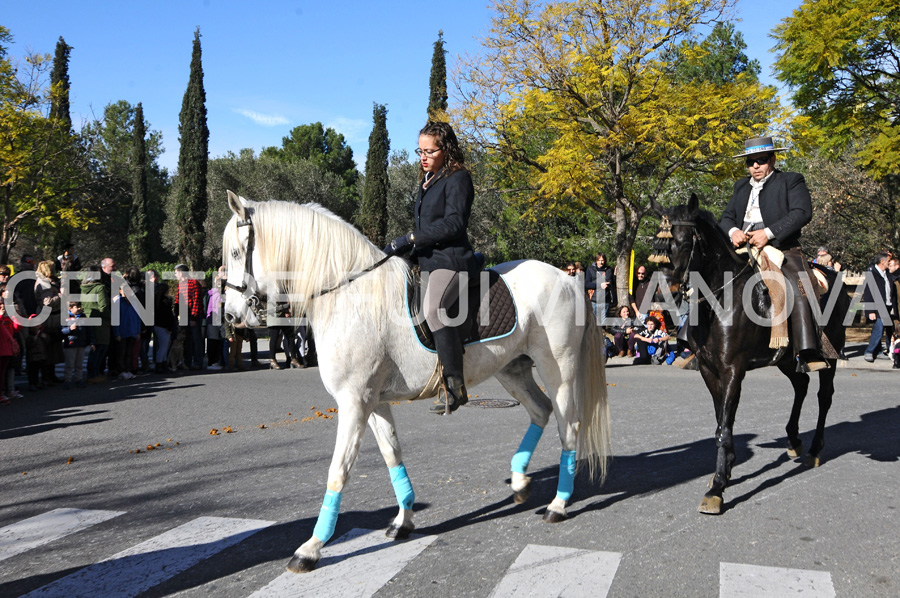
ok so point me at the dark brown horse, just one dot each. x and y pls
(728, 342)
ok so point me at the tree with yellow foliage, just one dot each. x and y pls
(842, 62)
(579, 105)
(42, 165)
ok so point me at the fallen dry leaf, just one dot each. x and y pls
(70, 461)
(228, 430)
(262, 426)
(213, 432)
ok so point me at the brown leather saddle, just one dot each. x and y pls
(491, 312)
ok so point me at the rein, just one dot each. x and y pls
(350, 279)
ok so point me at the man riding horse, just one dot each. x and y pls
(771, 207)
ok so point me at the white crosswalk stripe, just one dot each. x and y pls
(47, 527)
(356, 565)
(141, 567)
(551, 571)
(752, 581)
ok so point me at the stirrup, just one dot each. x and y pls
(450, 398)
(812, 365)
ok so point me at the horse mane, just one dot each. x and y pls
(310, 250)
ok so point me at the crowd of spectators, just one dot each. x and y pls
(634, 329)
(127, 324)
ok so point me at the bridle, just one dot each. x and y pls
(685, 278)
(254, 302)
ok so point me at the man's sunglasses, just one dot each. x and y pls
(751, 161)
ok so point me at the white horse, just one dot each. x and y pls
(369, 356)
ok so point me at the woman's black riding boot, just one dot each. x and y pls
(450, 352)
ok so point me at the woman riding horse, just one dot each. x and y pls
(442, 247)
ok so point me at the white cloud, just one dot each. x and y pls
(351, 129)
(266, 120)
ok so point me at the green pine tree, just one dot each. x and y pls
(437, 84)
(191, 201)
(373, 210)
(138, 223)
(59, 84)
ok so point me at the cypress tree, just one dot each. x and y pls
(59, 84)
(190, 198)
(138, 223)
(437, 96)
(373, 210)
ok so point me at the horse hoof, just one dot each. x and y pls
(711, 505)
(795, 450)
(812, 461)
(520, 496)
(398, 532)
(554, 517)
(301, 564)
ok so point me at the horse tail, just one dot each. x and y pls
(593, 433)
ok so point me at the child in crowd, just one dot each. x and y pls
(9, 348)
(651, 345)
(37, 356)
(15, 363)
(75, 338)
(895, 348)
(127, 332)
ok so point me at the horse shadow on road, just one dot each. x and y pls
(660, 469)
(873, 436)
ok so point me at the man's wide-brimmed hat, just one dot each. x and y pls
(759, 145)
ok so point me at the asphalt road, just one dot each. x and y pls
(87, 450)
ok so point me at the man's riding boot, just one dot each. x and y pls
(805, 331)
(450, 352)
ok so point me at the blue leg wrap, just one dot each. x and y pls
(566, 475)
(402, 487)
(522, 457)
(331, 506)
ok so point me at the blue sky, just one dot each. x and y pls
(271, 65)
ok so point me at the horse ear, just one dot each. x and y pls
(657, 209)
(237, 205)
(693, 204)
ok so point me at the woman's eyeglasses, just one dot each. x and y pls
(428, 153)
(751, 161)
